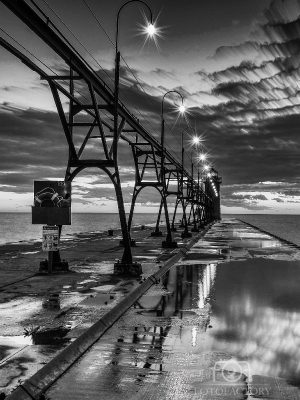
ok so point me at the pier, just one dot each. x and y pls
(208, 318)
(193, 306)
(108, 122)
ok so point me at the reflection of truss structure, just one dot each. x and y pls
(89, 129)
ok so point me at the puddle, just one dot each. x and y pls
(144, 257)
(248, 310)
(98, 300)
(15, 340)
(254, 243)
(52, 302)
(100, 268)
(86, 281)
(50, 335)
(103, 288)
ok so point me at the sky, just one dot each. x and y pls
(236, 62)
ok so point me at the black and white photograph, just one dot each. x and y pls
(149, 199)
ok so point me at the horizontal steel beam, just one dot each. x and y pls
(92, 163)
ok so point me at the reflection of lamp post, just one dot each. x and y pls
(127, 256)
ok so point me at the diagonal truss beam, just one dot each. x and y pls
(43, 29)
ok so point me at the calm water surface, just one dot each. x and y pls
(15, 227)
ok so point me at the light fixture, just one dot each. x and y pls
(182, 109)
(196, 140)
(151, 30)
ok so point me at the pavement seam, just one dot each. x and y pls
(21, 280)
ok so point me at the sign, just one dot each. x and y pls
(50, 238)
(52, 203)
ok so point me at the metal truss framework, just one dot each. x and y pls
(89, 127)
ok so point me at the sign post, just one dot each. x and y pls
(52, 206)
(50, 243)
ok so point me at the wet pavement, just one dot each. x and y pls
(223, 323)
(41, 314)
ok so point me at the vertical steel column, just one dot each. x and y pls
(127, 255)
(168, 243)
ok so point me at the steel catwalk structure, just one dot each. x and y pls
(149, 155)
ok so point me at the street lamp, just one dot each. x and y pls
(168, 242)
(151, 31)
(196, 141)
(202, 157)
(127, 256)
(186, 232)
(181, 109)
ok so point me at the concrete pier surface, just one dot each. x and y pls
(222, 323)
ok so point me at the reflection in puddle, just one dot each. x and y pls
(256, 316)
(248, 310)
(103, 288)
(52, 302)
(51, 335)
(19, 340)
(254, 243)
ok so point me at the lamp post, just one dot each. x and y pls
(202, 158)
(194, 229)
(168, 242)
(151, 32)
(126, 264)
(181, 109)
(186, 232)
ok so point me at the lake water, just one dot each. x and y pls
(15, 227)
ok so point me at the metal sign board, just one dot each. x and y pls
(52, 203)
(50, 238)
